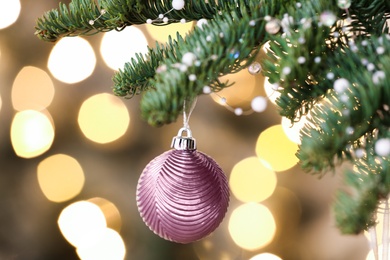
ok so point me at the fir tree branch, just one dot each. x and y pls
(355, 113)
(223, 53)
(76, 18)
(368, 184)
(137, 74)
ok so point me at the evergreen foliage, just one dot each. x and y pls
(330, 59)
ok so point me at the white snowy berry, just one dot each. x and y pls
(192, 77)
(286, 70)
(259, 104)
(238, 111)
(378, 76)
(341, 85)
(382, 147)
(359, 153)
(301, 60)
(206, 90)
(188, 58)
(201, 22)
(178, 4)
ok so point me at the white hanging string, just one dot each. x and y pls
(385, 235)
(374, 241)
(188, 107)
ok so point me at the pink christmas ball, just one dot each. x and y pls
(182, 195)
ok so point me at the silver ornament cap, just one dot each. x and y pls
(181, 142)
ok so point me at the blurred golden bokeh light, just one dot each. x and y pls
(293, 130)
(117, 48)
(32, 133)
(266, 256)
(161, 33)
(82, 223)
(110, 211)
(9, 12)
(241, 93)
(32, 89)
(72, 60)
(251, 181)
(109, 246)
(252, 226)
(60, 177)
(103, 118)
(276, 149)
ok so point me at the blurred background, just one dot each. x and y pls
(71, 154)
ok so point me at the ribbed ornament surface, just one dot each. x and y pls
(182, 195)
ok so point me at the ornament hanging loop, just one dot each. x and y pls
(188, 107)
(181, 142)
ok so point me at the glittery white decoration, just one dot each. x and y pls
(328, 18)
(192, 77)
(359, 153)
(201, 22)
(188, 58)
(378, 76)
(301, 60)
(273, 26)
(380, 50)
(259, 104)
(178, 4)
(206, 90)
(382, 147)
(286, 70)
(341, 85)
(238, 111)
(344, 4)
(350, 130)
(254, 68)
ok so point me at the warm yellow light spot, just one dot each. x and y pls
(9, 12)
(82, 223)
(110, 211)
(251, 181)
(161, 33)
(293, 130)
(271, 90)
(241, 93)
(103, 118)
(274, 147)
(266, 256)
(109, 246)
(117, 48)
(252, 226)
(32, 89)
(72, 60)
(32, 133)
(60, 177)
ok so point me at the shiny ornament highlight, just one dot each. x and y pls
(182, 195)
